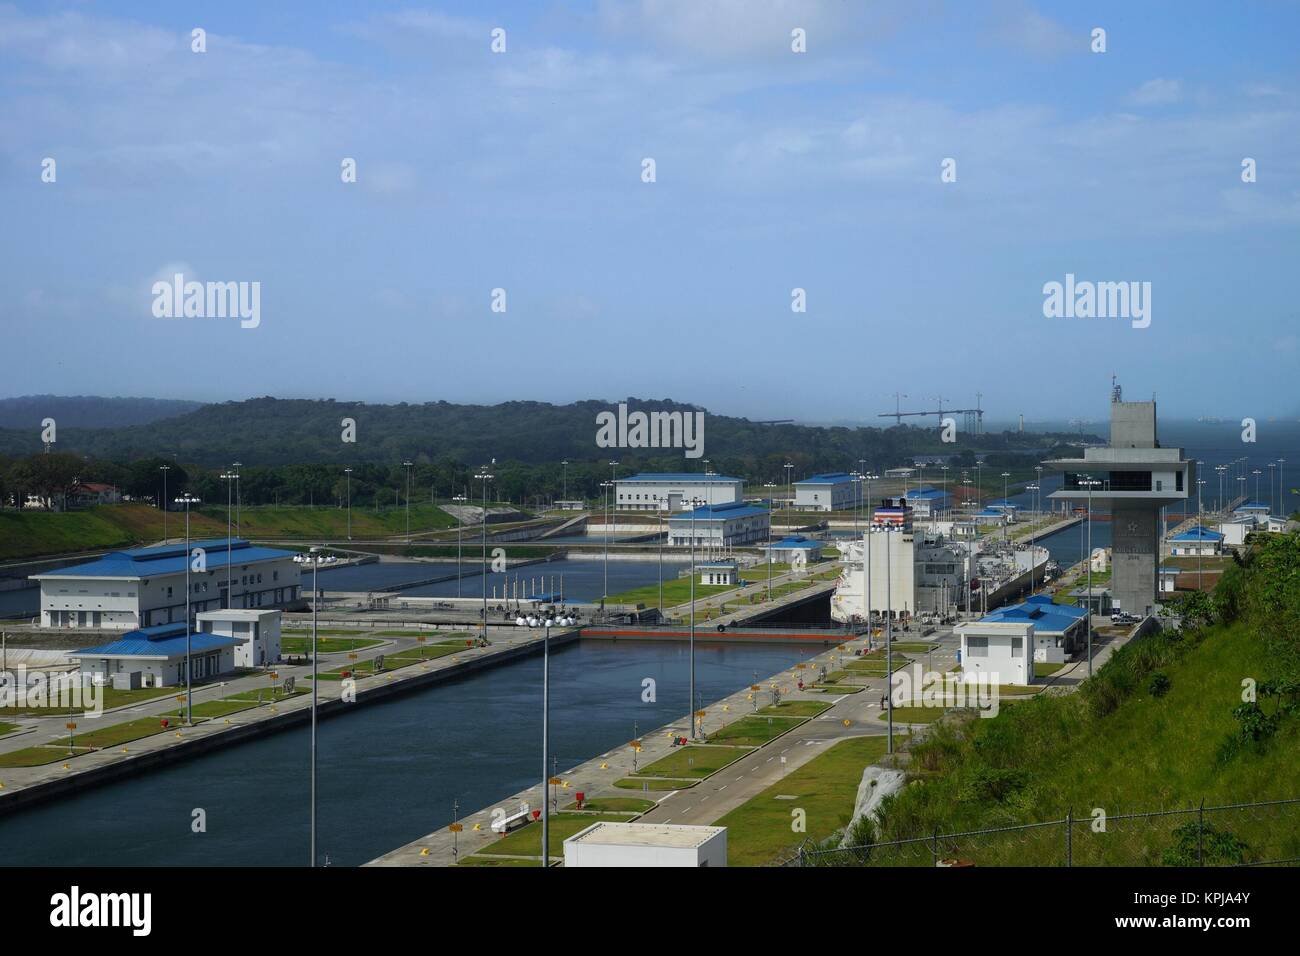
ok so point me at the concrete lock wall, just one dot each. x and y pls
(1135, 556)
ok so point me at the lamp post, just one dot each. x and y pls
(348, 472)
(695, 505)
(944, 469)
(565, 486)
(166, 506)
(789, 487)
(546, 742)
(866, 558)
(407, 465)
(1200, 529)
(188, 499)
(889, 634)
(460, 526)
(613, 510)
(1089, 482)
(1220, 469)
(1033, 492)
(315, 599)
(772, 490)
(606, 489)
(970, 556)
(484, 477)
(239, 501)
(1006, 508)
(1256, 473)
(229, 477)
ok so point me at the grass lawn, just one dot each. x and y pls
(332, 631)
(527, 841)
(265, 696)
(692, 761)
(392, 662)
(653, 784)
(676, 591)
(325, 645)
(503, 861)
(914, 647)
(214, 708)
(913, 715)
(7, 728)
(835, 689)
(1044, 669)
(37, 756)
(615, 805)
(754, 731)
(796, 708)
(825, 788)
(111, 698)
(435, 637)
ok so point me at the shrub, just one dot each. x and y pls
(1158, 684)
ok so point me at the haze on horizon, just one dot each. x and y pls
(774, 171)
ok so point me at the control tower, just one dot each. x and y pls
(1133, 478)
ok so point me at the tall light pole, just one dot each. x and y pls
(772, 486)
(1220, 469)
(1038, 480)
(565, 486)
(165, 503)
(188, 499)
(695, 506)
(613, 509)
(229, 478)
(460, 526)
(1200, 529)
(970, 554)
(1256, 473)
(315, 597)
(1281, 504)
(1271, 471)
(1033, 491)
(789, 487)
(239, 501)
(889, 633)
(546, 743)
(348, 472)
(1006, 503)
(866, 556)
(1089, 482)
(944, 469)
(484, 477)
(407, 465)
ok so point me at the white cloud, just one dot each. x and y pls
(1157, 92)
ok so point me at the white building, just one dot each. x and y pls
(155, 657)
(831, 491)
(795, 548)
(719, 527)
(928, 502)
(257, 631)
(142, 587)
(674, 492)
(717, 572)
(998, 649)
(646, 844)
(1169, 578)
(1195, 541)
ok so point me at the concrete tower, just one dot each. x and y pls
(1135, 478)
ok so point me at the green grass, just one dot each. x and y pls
(392, 662)
(7, 728)
(654, 784)
(527, 841)
(32, 533)
(109, 697)
(615, 805)
(759, 830)
(692, 762)
(796, 708)
(504, 861)
(213, 708)
(1044, 669)
(913, 715)
(37, 756)
(324, 645)
(1127, 753)
(676, 591)
(915, 647)
(266, 695)
(754, 731)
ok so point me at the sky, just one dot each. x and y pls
(524, 170)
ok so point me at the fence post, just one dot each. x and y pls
(1069, 837)
(1200, 834)
(801, 861)
(935, 849)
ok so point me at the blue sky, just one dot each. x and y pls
(775, 170)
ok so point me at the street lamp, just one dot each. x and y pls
(348, 472)
(239, 503)
(1006, 509)
(460, 525)
(772, 486)
(546, 742)
(315, 599)
(789, 488)
(613, 509)
(229, 478)
(484, 477)
(565, 486)
(1089, 482)
(188, 499)
(866, 557)
(694, 506)
(407, 465)
(166, 507)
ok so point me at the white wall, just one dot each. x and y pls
(999, 657)
(711, 853)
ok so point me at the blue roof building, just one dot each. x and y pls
(143, 587)
(155, 656)
(719, 526)
(674, 491)
(828, 491)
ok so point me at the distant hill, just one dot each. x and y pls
(88, 411)
(271, 431)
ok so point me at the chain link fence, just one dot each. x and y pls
(1239, 834)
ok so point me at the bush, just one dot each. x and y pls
(1158, 684)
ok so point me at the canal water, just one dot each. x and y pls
(583, 579)
(389, 772)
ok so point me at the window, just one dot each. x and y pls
(1017, 647)
(977, 647)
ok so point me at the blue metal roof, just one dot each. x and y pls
(797, 542)
(927, 492)
(827, 478)
(1046, 617)
(678, 476)
(737, 509)
(1198, 534)
(1252, 506)
(161, 640)
(165, 559)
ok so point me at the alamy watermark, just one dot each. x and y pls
(50, 690)
(624, 429)
(1098, 300)
(918, 687)
(208, 300)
